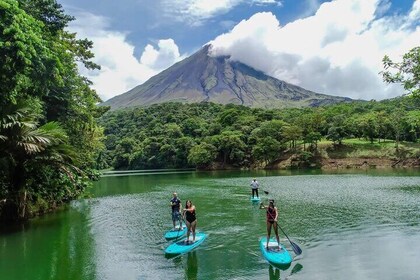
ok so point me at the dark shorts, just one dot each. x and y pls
(176, 216)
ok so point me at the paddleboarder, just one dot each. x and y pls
(271, 216)
(176, 210)
(254, 186)
(190, 219)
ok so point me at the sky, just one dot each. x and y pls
(333, 47)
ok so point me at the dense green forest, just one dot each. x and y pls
(207, 135)
(49, 136)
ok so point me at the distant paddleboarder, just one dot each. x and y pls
(254, 186)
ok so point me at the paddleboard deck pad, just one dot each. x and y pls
(255, 199)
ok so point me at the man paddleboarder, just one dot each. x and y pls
(176, 210)
(254, 187)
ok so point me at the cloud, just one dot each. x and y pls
(161, 58)
(120, 69)
(196, 12)
(336, 51)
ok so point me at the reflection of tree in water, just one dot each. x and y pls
(192, 266)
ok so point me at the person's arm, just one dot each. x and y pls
(277, 214)
(190, 209)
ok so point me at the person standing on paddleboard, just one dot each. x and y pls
(176, 210)
(191, 220)
(272, 214)
(254, 186)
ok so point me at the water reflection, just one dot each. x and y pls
(273, 272)
(191, 269)
(298, 267)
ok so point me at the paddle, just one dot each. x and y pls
(295, 247)
(180, 227)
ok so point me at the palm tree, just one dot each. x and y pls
(22, 143)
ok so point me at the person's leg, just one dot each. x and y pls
(276, 231)
(253, 192)
(268, 232)
(173, 218)
(256, 191)
(188, 230)
(193, 225)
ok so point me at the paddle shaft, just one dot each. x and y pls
(180, 226)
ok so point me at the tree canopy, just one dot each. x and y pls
(47, 110)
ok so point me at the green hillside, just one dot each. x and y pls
(213, 136)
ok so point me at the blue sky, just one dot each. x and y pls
(333, 47)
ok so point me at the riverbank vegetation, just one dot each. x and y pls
(213, 136)
(49, 137)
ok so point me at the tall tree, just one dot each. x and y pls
(406, 72)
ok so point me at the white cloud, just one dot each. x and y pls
(161, 58)
(263, 2)
(120, 69)
(195, 12)
(337, 51)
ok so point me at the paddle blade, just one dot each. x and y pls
(296, 248)
(266, 192)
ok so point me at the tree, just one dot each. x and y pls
(23, 143)
(407, 72)
(292, 133)
(38, 66)
(230, 145)
(337, 131)
(202, 154)
(267, 149)
(369, 126)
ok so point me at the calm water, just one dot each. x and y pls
(349, 226)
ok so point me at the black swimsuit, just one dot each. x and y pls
(190, 216)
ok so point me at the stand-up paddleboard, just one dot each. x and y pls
(255, 199)
(273, 254)
(181, 247)
(175, 233)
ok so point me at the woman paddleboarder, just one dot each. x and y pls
(191, 220)
(272, 215)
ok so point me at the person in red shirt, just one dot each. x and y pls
(271, 216)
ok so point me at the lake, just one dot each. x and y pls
(360, 224)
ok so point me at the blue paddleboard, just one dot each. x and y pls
(175, 233)
(181, 246)
(274, 255)
(255, 199)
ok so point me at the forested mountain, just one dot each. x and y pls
(202, 78)
(208, 135)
